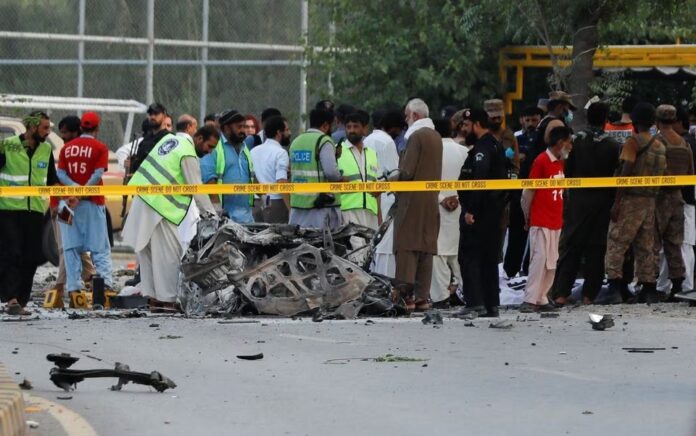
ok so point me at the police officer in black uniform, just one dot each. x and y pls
(480, 219)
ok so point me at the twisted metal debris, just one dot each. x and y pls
(279, 269)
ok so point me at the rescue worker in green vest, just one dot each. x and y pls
(231, 164)
(313, 159)
(25, 160)
(358, 164)
(152, 224)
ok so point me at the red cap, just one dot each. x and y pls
(90, 120)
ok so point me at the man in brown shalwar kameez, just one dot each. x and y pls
(417, 219)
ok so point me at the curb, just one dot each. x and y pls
(12, 421)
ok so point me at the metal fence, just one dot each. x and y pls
(194, 56)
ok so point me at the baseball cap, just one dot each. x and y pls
(89, 120)
(156, 108)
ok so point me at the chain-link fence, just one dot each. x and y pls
(193, 56)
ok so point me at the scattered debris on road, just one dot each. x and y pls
(502, 324)
(251, 356)
(601, 322)
(26, 385)
(432, 317)
(170, 337)
(283, 270)
(67, 379)
(643, 349)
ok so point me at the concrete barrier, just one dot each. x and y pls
(12, 421)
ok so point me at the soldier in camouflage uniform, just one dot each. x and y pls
(633, 212)
(669, 207)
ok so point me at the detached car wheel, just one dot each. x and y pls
(49, 247)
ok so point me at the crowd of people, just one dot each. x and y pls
(440, 248)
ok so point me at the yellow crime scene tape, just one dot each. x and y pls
(345, 187)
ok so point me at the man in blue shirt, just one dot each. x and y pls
(230, 163)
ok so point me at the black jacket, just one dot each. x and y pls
(485, 161)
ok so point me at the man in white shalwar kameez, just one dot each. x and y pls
(446, 262)
(154, 237)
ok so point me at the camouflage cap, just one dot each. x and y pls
(494, 108)
(666, 112)
(562, 96)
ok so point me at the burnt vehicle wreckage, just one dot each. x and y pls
(284, 270)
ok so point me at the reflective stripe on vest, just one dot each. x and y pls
(163, 167)
(348, 163)
(220, 166)
(305, 167)
(19, 170)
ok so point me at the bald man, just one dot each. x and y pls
(186, 124)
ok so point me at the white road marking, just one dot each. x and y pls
(73, 423)
(315, 339)
(572, 375)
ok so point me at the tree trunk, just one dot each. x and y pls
(581, 74)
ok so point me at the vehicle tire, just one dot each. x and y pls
(109, 229)
(49, 248)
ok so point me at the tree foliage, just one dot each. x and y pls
(384, 52)
(446, 50)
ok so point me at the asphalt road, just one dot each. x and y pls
(543, 376)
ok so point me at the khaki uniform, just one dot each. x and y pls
(669, 210)
(635, 225)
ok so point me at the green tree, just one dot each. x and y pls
(381, 52)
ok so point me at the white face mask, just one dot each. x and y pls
(565, 152)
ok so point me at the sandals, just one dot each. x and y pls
(16, 309)
(421, 305)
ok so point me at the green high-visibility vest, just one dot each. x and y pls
(163, 167)
(19, 170)
(351, 172)
(220, 166)
(306, 168)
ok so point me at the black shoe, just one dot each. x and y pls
(650, 293)
(614, 294)
(548, 307)
(471, 312)
(676, 289)
(444, 304)
(492, 312)
(527, 308)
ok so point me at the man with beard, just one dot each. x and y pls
(505, 136)
(156, 114)
(25, 160)
(231, 164)
(152, 227)
(417, 221)
(271, 163)
(480, 219)
(358, 164)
